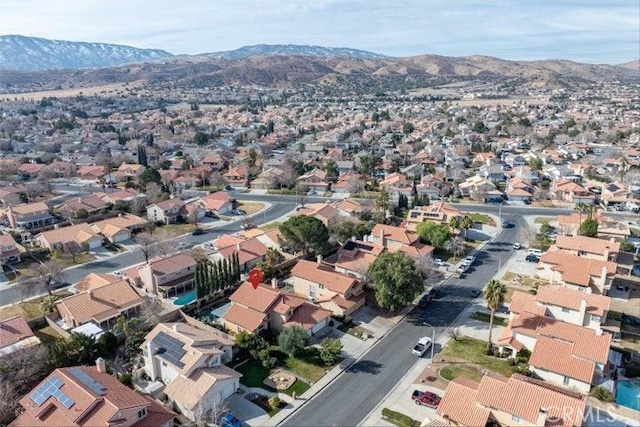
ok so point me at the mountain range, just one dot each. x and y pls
(274, 66)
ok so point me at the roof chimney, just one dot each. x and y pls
(274, 283)
(319, 259)
(382, 236)
(176, 327)
(542, 417)
(90, 293)
(238, 248)
(101, 365)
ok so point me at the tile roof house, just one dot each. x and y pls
(214, 161)
(269, 308)
(88, 396)
(119, 228)
(91, 172)
(399, 239)
(332, 290)
(607, 228)
(101, 305)
(167, 211)
(562, 353)
(326, 213)
(219, 202)
(439, 212)
(475, 187)
(354, 257)
(350, 207)
(90, 204)
(250, 251)
(9, 253)
(124, 196)
(130, 170)
(30, 215)
(268, 179)
(315, 179)
(350, 182)
(510, 401)
(167, 276)
(573, 192)
(237, 176)
(191, 363)
(588, 247)
(568, 305)
(15, 334)
(82, 234)
(29, 170)
(577, 272)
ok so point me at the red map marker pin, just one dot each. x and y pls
(255, 277)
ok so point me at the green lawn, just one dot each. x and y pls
(298, 388)
(270, 226)
(469, 371)
(474, 351)
(253, 374)
(543, 220)
(399, 419)
(480, 218)
(307, 365)
(484, 317)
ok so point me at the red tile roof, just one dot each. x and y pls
(13, 330)
(316, 273)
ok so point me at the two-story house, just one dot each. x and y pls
(338, 292)
(398, 239)
(219, 203)
(588, 247)
(563, 354)
(565, 304)
(250, 251)
(9, 253)
(354, 258)
(130, 171)
(214, 161)
(120, 228)
(513, 401)
(237, 176)
(191, 363)
(577, 272)
(82, 206)
(101, 305)
(270, 308)
(315, 179)
(87, 396)
(166, 276)
(569, 191)
(30, 215)
(167, 211)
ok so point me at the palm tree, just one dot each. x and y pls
(455, 223)
(48, 304)
(581, 208)
(622, 168)
(122, 326)
(494, 296)
(382, 201)
(466, 223)
(268, 265)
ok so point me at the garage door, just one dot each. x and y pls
(228, 390)
(319, 326)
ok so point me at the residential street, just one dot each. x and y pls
(355, 393)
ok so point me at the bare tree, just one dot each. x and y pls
(45, 176)
(73, 249)
(12, 199)
(138, 205)
(427, 265)
(154, 193)
(204, 417)
(9, 396)
(456, 245)
(151, 308)
(164, 244)
(527, 234)
(45, 274)
(146, 240)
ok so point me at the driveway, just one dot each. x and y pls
(246, 411)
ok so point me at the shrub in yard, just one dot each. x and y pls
(511, 361)
(292, 339)
(522, 369)
(398, 418)
(330, 350)
(602, 394)
(127, 379)
(274, 402)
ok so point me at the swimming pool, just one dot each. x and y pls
(628, 394)
(186, 298)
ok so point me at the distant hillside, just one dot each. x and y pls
(32, 53)
(333, 75)
(294, 50)
(633, 65)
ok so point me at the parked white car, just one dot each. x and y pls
(536, 252)
(421, 346)
(516, 246)
(118, 274)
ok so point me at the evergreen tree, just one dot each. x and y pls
(236, 266)
(215, 278)
(142, 155)
(220, 272)
(226, 273)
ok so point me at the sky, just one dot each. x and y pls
(593, 31)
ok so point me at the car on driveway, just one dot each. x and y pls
(425, 398)
(421, 346)
(516, 246)
(439, 262)
(209, 245)
(536, 252)
(532, 258)
(118, 274)
(507, 224)
(469, 260)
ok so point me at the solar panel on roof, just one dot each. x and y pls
(169, 348)
(51, 387)
(87, 380)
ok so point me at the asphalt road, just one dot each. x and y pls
(354, 394)
(73, 275)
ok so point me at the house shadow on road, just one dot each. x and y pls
(365, 366)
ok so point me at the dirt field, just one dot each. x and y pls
(66, 93)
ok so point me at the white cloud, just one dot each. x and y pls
(507, 28)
